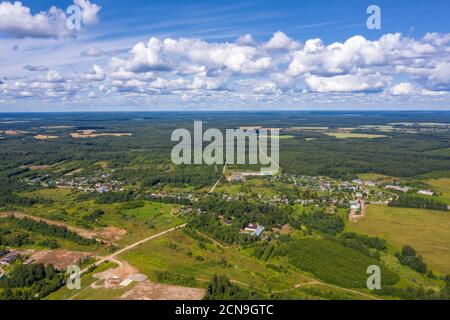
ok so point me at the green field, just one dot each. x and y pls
(87, 279)
(179, 253)
(427, 231)
(443, 186)
(375, 176)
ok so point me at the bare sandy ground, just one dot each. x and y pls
(45, 137)
(59, 258)
(147, 290)
(92, 134)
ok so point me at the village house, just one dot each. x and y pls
(425, 192)
(254, 229)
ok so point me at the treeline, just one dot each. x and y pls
(221, 288)
(30, 282)
(114, 197)
(417, 293)
(210, 225)
(402, 155)
(370, 246)
(410, 201)
(50, 230)
(409, 257)
(170, 200)
(10, 239)
(8, 199)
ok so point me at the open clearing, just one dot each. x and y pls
(45, 137)
(59, 258)
(156, 291)
(427, 231)
(345, 135)
(443, 186)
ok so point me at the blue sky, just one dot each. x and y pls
(224, 55)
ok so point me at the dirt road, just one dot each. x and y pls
(218, 180)
(131, 246)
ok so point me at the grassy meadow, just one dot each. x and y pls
(427, 231)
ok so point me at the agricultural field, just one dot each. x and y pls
(427, 231)
(443, 187)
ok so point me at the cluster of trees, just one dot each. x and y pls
(320, 221)
(114, 197)
(176, 278)
(9, 199)
(401, 155)
(28, 282)
(46, 229)
(94, 216)
(16, 239)
(409, 257)
(363, 243)
(49, 243)
(411, 201)
(220, 288)
(230, 235)
(170, 200)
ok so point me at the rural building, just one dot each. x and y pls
(8, 259)
(397, 188)
(425, 192)
(254, 229)
(258, 231)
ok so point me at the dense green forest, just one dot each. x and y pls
(30, 282)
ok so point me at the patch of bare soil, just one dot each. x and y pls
(60, 258)
(111, 233)
(92, 134)
(35, 168)
(108, 233)
(45, 137)
(147, 290)
(112, 278)
(20, 215)
(71, 173)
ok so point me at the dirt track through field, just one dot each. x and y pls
(131, 246)
(20, 215)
